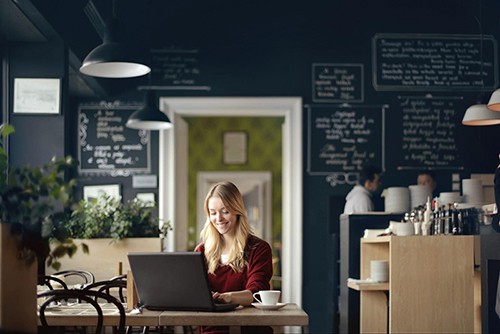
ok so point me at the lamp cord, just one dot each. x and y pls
(480, 25)
(113, 13)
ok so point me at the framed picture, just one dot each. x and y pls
(91, 192)
(147, 198)
(235, 148)
(37, 96)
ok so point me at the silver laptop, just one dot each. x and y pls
(174, 281)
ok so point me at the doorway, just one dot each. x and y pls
(173, 172)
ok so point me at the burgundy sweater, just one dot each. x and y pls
(255, 277)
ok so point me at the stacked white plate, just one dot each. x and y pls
(397, 199)
(419, 195)
(446, 198)
(379, 270)
(472, 191)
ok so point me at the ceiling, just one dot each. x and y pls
(144, 25)
(201, 24)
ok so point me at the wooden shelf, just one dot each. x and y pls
(368, 286)
(376, 240)
(415, 306)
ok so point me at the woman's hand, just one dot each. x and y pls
(223, 297)
(244, 297)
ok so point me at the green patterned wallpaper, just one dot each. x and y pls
(264, 154)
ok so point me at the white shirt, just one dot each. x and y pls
(358, 200)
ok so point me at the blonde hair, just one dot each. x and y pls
(233, 202)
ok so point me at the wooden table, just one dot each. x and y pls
(289, 315)
(79, 315)
(82, 314)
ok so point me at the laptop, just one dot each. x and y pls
(176, 281)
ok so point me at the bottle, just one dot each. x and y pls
(457, 221)
(418, 221)
(465, 221)
(437, 219)
(447, 220)
(427, 218)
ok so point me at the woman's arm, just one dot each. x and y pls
(244, 297)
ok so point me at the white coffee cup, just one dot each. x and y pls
(404, 229)
(267, 297)
(379, 270)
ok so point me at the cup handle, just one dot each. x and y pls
(255, 297)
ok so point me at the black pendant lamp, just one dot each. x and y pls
(113, 59)
(149, 117)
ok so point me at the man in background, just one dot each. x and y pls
(427, 178)
(359, 199)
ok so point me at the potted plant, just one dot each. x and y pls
(108, 217)
(35, 205)
(111, 229)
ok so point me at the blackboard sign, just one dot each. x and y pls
(337, 83)
(106, 145)
(434, 62)
(342, 139)
(175, 68)
(429, 132)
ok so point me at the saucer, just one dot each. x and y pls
(268, 307)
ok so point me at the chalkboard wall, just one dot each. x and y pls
(387, 84)
(106, 145)
(376, 88)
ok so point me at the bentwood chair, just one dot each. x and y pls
(88, 296)
(114, 287)
(83, 277)
(52, 282)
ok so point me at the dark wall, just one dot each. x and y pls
(37, 138)
(275, 59)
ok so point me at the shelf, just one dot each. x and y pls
(375, 240)
(368, 286)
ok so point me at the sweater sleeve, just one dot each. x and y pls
(260, 267)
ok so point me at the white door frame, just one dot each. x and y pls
(173, 171)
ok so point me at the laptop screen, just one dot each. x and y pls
(173, 281)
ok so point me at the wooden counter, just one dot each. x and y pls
(431, 285)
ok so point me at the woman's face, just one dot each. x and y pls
(224, 221)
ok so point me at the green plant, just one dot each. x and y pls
(108, 217)
(37, 202)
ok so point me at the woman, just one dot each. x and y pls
(239, 263)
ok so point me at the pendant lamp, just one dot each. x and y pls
(480, 115)
(494, 103)
(149, 117)
(113, 59)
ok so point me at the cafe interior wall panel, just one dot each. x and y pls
(263, 154)
(37, 138)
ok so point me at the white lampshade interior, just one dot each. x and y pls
(480, 115)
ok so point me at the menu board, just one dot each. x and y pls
(176, 68)
(106, 145)
(343, 139)
(337, 83)
(429, 132)
(429, 62)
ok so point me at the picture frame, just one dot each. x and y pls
(37, 96)
(147, 198)
(96, 191)
(235, 147)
